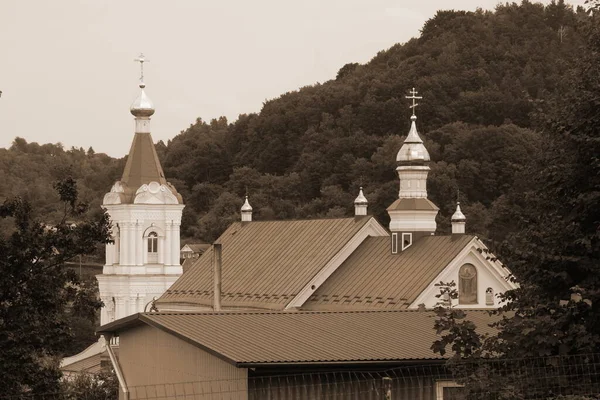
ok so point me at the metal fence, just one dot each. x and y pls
(566, 377)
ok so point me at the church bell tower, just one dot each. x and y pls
(145, 211)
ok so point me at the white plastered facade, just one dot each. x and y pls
(491, 273)
(132, 275)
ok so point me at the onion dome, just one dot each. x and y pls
(142, 107)
(361, 199)
(246, 206)
(458, 216)
(413, 148)
(246, 211)
(360, 204)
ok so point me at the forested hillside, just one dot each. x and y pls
(29, 170)
(484, 77)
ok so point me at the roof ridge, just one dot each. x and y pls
(360, 218)
(306, 312)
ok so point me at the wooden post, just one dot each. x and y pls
(387, 388)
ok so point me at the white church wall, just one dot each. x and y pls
(124, 295)
(490, 274)
(132, 276)
(412, 220)
(131, 227)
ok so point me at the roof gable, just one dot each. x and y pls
(373, 277)
(491, 273)
(195, 247)
(265, 263)
(370, 229)
(186, 248)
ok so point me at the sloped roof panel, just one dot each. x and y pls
(199, 247)
(413, 204)
(90, 365)
(373, 277)
(265, 263)
(306, 337)
(142, 164)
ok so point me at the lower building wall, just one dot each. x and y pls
(158, 365)
(354, 385)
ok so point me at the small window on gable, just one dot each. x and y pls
(467, 284)
(394, 243)
(406, 240)
(489, 297)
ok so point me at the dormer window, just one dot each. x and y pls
(394, 243)
(401, 241)
(406, 240)
(152, 247)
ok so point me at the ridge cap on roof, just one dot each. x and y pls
(253, 222)
(306, 312)
(446, 235)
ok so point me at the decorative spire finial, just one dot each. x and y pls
(142, 107)
(413, 148)
(360, 203)
(458, 220)
(413, 97)
(246, 211)
(141, 59)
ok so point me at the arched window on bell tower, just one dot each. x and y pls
(152, 248)
(467, 284)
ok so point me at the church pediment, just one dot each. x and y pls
(115, 195)
(154, 193)
(479, 276)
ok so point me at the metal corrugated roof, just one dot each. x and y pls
(412, 204)
(198, 247)
(304, 337)
(142, 164)
(90, 365)
(142, 167)
(373, 277)
(265, 263)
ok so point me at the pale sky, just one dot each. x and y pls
(67, 72)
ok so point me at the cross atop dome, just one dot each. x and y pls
(412, 215)
(413, 97)
(142, 107)
(413, 149)
(141, 59)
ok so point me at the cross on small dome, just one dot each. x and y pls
(142, 107)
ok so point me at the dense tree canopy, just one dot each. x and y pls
(305, 154)
(37, 289)
(523, 157)
(28, 170)
(554, 249)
